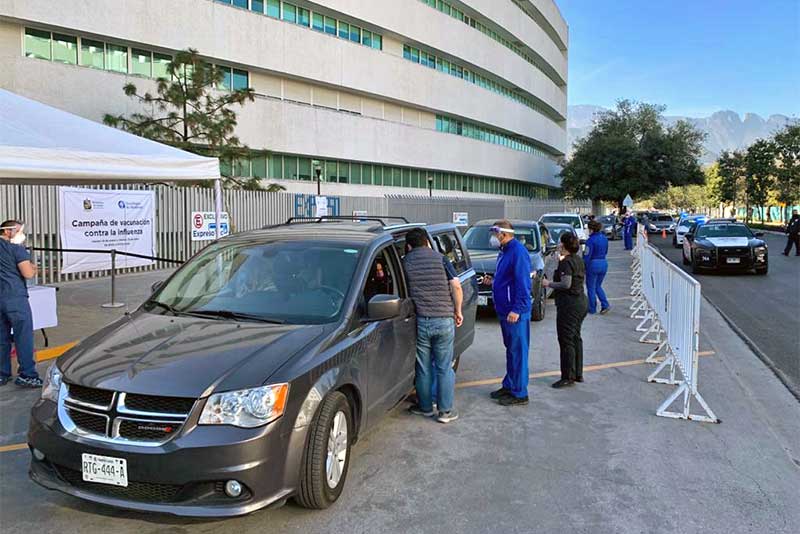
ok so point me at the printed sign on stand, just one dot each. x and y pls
(204, 225)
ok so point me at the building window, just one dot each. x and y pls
(240, 79)
(160, 63)
(330, 25)
(141, 62)
(257, 5)
(377, 41)
(289, 12)
(92, 54)
(344, 30)
(304, 168)
(366, 38)
(303, 17)
(65, 49)
(274, 8)
(117, 58)
(37, 44)
(355, 34)
(240, 3)
(318, 22)
(259, 163)
(227, 78)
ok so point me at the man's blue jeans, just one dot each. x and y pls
(517, 338)
(15, 312)
(435, 338)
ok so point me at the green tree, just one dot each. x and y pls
(191, 110)
(787, 143)
(630, 151)
(730, 186)
(760, 173)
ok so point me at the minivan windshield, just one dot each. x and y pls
(285, 282)
(477, 238)
(665, 218)
(574, 220)
(724, 230)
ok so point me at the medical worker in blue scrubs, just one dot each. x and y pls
(511, 291)
(594, 257)
(628, 228)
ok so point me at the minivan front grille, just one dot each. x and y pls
(136, 491)
(122, 417)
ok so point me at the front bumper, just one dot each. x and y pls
(185, 476)
(717, 261)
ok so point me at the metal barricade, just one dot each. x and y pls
(667, 300)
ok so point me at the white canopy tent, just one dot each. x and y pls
(40, 144)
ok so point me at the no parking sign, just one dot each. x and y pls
(204, 225)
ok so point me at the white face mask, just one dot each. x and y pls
(19, 237)
(494, 241)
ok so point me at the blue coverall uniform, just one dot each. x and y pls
(594, 257)
(511, 292)
(628, 228)
(15, 312)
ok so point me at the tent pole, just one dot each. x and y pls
(218, 206)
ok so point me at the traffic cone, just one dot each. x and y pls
(663, 233)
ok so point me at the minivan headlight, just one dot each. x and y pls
(246, 408)
(52, 384)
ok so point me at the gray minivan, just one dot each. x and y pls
(246, 377)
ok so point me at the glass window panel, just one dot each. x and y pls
(289, 164)
(274, 8)
(37, 44)
(377, 175)
(366, 174)
(396, 178)
(160, 62)
(377, 41)
(259, 166)
(141, 62)
(227, 78)
(257, 5)
(275, 166)
(406, 51)
(415, 55)
(344, 30)
(355, 173)
(318, 22)
(225, 168)
(240, 3)
(330, 25)
(304, 168)
(65, 49)
(366, 38)
(303, 17)
(355, 34)
(405, 180)
(289, 12)
(241, 167)
(92, 54)
(344, 172)
(330, 172)
(240, 79)
(117, 58)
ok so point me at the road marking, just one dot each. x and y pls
(620, 298)
(15, 447)
(55, 352)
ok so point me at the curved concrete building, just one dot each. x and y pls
(384, 94)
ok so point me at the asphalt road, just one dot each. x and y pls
(763, 308)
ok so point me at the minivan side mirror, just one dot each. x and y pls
(382, 307)
(156, 286)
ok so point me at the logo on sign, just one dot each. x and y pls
(198, 220)
(87, 204)
(121, 204)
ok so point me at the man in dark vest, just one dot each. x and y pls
(436, 292)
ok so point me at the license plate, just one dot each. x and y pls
(733, 260)
(105, 470)
(483, 300)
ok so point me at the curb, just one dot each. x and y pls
(793, 389)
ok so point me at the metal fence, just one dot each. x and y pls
(667, 300)
(37, 206)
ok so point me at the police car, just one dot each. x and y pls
(725, 245)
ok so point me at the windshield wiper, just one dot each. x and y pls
(168, 307)
(228, 314)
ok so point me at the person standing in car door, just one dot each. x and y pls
(437, 295)
(511, 291)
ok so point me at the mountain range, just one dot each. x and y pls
(726, 129)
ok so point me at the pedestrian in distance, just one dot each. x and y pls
(15, 311)
(436, 292)
(628, 228)
(594, 259)
(511, 292)
(571, 308)
(793, 234)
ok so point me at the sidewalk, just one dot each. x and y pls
(590, 459)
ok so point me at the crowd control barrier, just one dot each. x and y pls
(666, 301)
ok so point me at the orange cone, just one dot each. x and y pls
(663, 233)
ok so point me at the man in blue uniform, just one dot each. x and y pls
(15, 311)
(511, 292)
(628, 228)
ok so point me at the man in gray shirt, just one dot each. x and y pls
(437, 295)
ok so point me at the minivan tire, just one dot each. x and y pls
(314, 491)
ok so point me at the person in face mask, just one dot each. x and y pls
(511, 291)
(793, 234)
(15, 311)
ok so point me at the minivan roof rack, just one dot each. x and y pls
(356, 218)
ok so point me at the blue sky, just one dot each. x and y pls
(694, 56)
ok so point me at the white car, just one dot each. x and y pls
(573, 219)
(683, 226)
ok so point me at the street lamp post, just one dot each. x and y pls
(318, 173)
(430, 186)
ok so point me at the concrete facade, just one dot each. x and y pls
(325, 97)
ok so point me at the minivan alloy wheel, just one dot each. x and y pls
(337, 450)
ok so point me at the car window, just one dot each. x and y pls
(382, 277)
(448, 245)
(296, 282)
(545, 234)
(557, 231)
(608, 219)
(477, 238)
(724, 230)
(665, 218)
(563, 219)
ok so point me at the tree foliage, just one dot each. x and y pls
(630, 151)
(729, 189)
(190, 110)
(787, 146)
(760, 172)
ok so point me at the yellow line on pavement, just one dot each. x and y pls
(55, 352)
(15, 447)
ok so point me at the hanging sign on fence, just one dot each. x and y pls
(461, 218)
(204, 225)
(105, 220)
(322, 206)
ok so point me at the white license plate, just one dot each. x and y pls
(105, 470)
(733, 260)
(483, 300)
